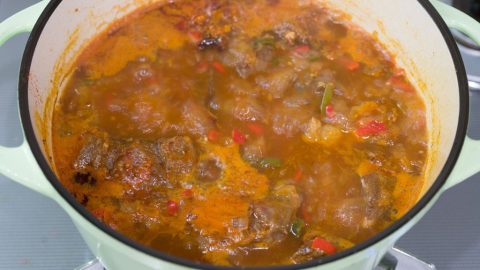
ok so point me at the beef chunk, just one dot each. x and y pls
(277, 83)
(271, 218)
(306, 253)
(245, 109)
(240, 56)
(289, 121)
(83, 178)
(135, 165)
(177, 154)
(254, 150)
(91, 154)
(349, 214)
(208, 170)
(376, 191)
(197, 120)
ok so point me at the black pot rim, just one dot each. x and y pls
(434, 189)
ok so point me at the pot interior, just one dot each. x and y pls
(404, 27)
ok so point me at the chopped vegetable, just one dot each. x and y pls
(398, 82)
(324, 245)
(181, 26)
(301, 49)
(327, 97)
(256, 128)
(238, 136)
(329, 111)
(364, 109)
(350, 64)
(188, 193)
(271, 163)
(306, 212)
(276, 61)
(202, 67)
(297, 227)
(172, 208)
(398, 72)
(218, 67)
(213, 135)
(99, 213)
(371, 128)
(298, 176)
(314, 58)
(195, 36)
(313, 132)
(263, 41)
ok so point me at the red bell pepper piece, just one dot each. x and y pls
(324, 245)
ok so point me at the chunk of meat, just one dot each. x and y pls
(245, 109)
(289, 121)
(264, 56)
(376, 191)
(238, 178)
(208, 170)
(276, 83)
(349, 213)
(196, 118)
(241, 56)
(240, 87)
(270, 221)
(271, 218)
(287, 193)
(313, 131)
(221, 213)
(316, 133)
(306, 253)
(337, 202)
(135, 165)
(177, 154)
(254, 150)
(298, 100)
(92, 153)
(132, 163)
(309, 250)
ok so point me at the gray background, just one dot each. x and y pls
(36, 234)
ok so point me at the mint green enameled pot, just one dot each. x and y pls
(412, 29)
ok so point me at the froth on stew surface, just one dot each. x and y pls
(241, 133)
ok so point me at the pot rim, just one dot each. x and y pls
(426, 198)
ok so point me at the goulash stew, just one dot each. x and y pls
(241, 133)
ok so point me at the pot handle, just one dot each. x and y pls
(21, 22)
(18, 163)
(468, 163)
(458, 20)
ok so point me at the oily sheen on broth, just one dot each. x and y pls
(241, 133)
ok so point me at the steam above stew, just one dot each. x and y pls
(241, 133)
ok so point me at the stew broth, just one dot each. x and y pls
(242, 133)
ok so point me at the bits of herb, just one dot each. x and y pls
(271, 163)
(327, 97)
(297, 227)
(263, 41)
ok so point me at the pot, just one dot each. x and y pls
(412, 30)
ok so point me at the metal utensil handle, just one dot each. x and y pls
(397, 259)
